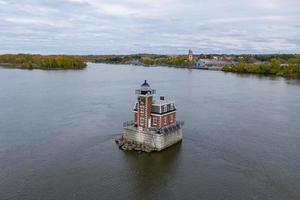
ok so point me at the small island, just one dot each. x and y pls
(35, 61)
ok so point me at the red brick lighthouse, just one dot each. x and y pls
(153, 114)
(154, 122)
(143, 108)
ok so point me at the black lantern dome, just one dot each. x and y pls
(145, 89)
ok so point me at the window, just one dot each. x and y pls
(165, 120)
(155, 109)
(165, 108)
(142, 121)
(172, 106)
(154, 121)
(171, 118)
(142, 109)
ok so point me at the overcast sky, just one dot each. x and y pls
(149, 26)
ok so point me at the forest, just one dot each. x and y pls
(31, 61)
(289, 67)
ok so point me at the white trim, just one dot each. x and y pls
(161, 103)
(145, 95)
(158, 115)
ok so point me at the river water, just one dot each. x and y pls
(57, 131)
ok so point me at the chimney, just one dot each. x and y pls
(162, 98)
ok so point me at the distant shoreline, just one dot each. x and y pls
(10, 66)
(53, 62)
(284, 65)
(292, 71)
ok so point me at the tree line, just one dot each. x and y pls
(141, 59)
(274, 66)
(30, 61)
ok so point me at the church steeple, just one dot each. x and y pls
(191, 57)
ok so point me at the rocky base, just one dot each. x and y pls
(126, 145)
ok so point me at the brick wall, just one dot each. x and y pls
(162, 121)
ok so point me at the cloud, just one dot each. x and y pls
(150, 26)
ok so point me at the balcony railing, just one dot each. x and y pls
(168, 129)
(172, 128)
(128, 123)
(140, 91)
(165, 130)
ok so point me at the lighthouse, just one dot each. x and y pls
(142, 111)
(154, 126)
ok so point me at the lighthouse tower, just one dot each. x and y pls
(143, 108)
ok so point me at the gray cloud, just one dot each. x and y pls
(150, 26)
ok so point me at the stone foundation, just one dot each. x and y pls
(126, 145)
(147, 141)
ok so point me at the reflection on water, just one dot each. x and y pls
(292, 81)
(259, 76)
(155, 169)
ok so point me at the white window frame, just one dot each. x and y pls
(142, 109)
(154, 120)
(165, 108)
(165, 120)
(142, 121)
(171, 118)
(172, 106)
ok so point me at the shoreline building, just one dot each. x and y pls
(154, 121)
(191, 60)
(191, 56)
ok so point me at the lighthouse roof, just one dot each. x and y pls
(145, 84)
(145, 89)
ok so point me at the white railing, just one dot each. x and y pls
(128, 123)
